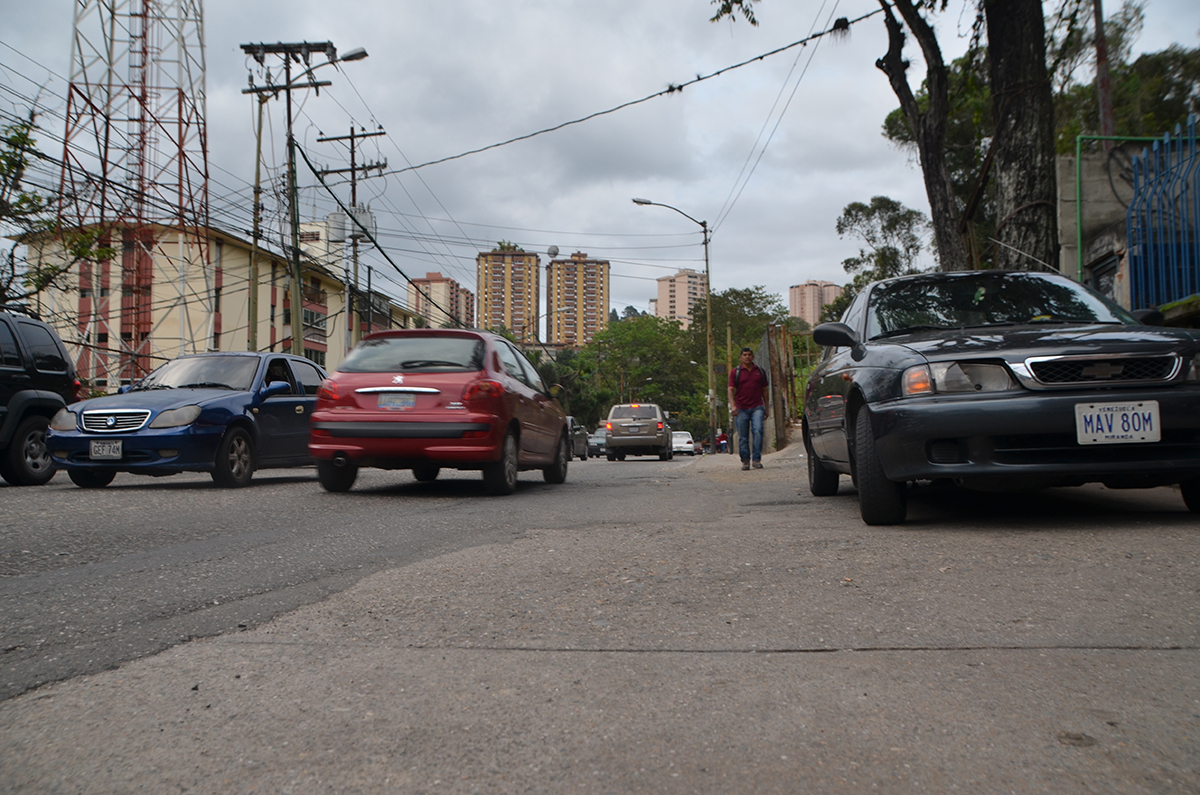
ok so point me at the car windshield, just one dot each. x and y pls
(416, 352)
(945, 301)
(632, 413)
(204, 372)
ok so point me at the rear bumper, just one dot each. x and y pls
(1032, 438)
(467, 442)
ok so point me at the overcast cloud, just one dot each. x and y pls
(447, 77)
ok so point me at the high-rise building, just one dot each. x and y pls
(576, 299)
(806, 301)
(441, 301)
(508, 292)
(678, 294)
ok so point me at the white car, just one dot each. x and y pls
(681, 442)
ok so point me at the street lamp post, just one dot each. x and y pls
(712, 386)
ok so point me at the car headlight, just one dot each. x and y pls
(64, 420)
(956, 377)
(174, 418)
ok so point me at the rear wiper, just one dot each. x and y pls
(429, 363)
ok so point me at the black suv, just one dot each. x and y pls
(37, 378)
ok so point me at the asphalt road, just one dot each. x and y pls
(646, 627)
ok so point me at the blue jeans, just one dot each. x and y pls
(750, 420)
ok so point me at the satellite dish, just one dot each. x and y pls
(552, 251)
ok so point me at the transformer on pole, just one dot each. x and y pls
(135, 168)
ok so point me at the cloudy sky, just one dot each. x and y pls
(768, 154)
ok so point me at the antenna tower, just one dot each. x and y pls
(135, 167)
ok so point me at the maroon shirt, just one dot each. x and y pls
(748, 392)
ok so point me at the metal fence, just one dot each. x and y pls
(1163, 221)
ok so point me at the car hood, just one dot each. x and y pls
(160, 399)
(1017, 343)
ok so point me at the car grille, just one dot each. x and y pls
(1105, 370)
(115, 421)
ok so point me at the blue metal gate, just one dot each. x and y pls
(1163, 221)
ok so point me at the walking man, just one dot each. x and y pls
(748, 396)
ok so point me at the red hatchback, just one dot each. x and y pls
(424, 399)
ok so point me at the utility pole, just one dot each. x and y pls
(352, 323)
(298, 52)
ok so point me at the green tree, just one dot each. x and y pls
(745, 311)
(28, 216)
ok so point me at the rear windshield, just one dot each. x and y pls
(633, 413)
(415, 353)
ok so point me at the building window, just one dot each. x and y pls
(315, 356)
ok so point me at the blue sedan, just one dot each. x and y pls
(223, 413)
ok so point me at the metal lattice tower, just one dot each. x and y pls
(135, 166)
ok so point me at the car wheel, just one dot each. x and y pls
(426, 473)
(583, 457)
(235, 459)
(91, 478)
(620, 456)
(1191, 494)
(822, 482)
(336, 478)
(500, 478)
(611, 456)
(27, 462)
(880, 501)
(557, 472)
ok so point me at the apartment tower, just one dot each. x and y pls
(508, 292)
(678, 294)
(806, 301)
(576, 299)
(442, 301)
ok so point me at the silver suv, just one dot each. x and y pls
(637, 429)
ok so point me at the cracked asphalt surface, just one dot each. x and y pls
(647, 627)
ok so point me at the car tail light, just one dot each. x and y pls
(80, 390)
(608, 426)
(660, 426)
(482, 389)
(327, 390)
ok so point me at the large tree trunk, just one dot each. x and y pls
(1023, 109)
(929, 126)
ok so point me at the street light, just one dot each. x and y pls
(712, 385)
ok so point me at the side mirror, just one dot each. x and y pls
(835, 335)
(122, 390)
(1148, 317)
(555, 390)
(274, 388)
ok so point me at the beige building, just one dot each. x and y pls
(576, 300)
(806, 301)
(441, 301)
(166, 294)
(678, 294)
(508, 292)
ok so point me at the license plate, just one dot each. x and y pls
(634, 428)
(1117, 423)
(106, 450)
(398, 402)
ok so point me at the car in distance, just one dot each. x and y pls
(637, 429)
(428, 399)
(37, 379)
(999, 380)
(579, 439)
(682, 442)
(228, 414)
(596, 446)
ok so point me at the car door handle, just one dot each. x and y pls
(299, 409)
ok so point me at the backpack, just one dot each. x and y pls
(737, 374)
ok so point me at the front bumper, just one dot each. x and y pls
(191, 448)
(1031, 436)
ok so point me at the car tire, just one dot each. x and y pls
(880, 501)
(500, 478)
(611, 456)
(91, 478)
(426, 474)
(27, 462)
(557, 472)
(334, 478)
(1190, 489)
(620, 456)
(822, 482)
(235, 460)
